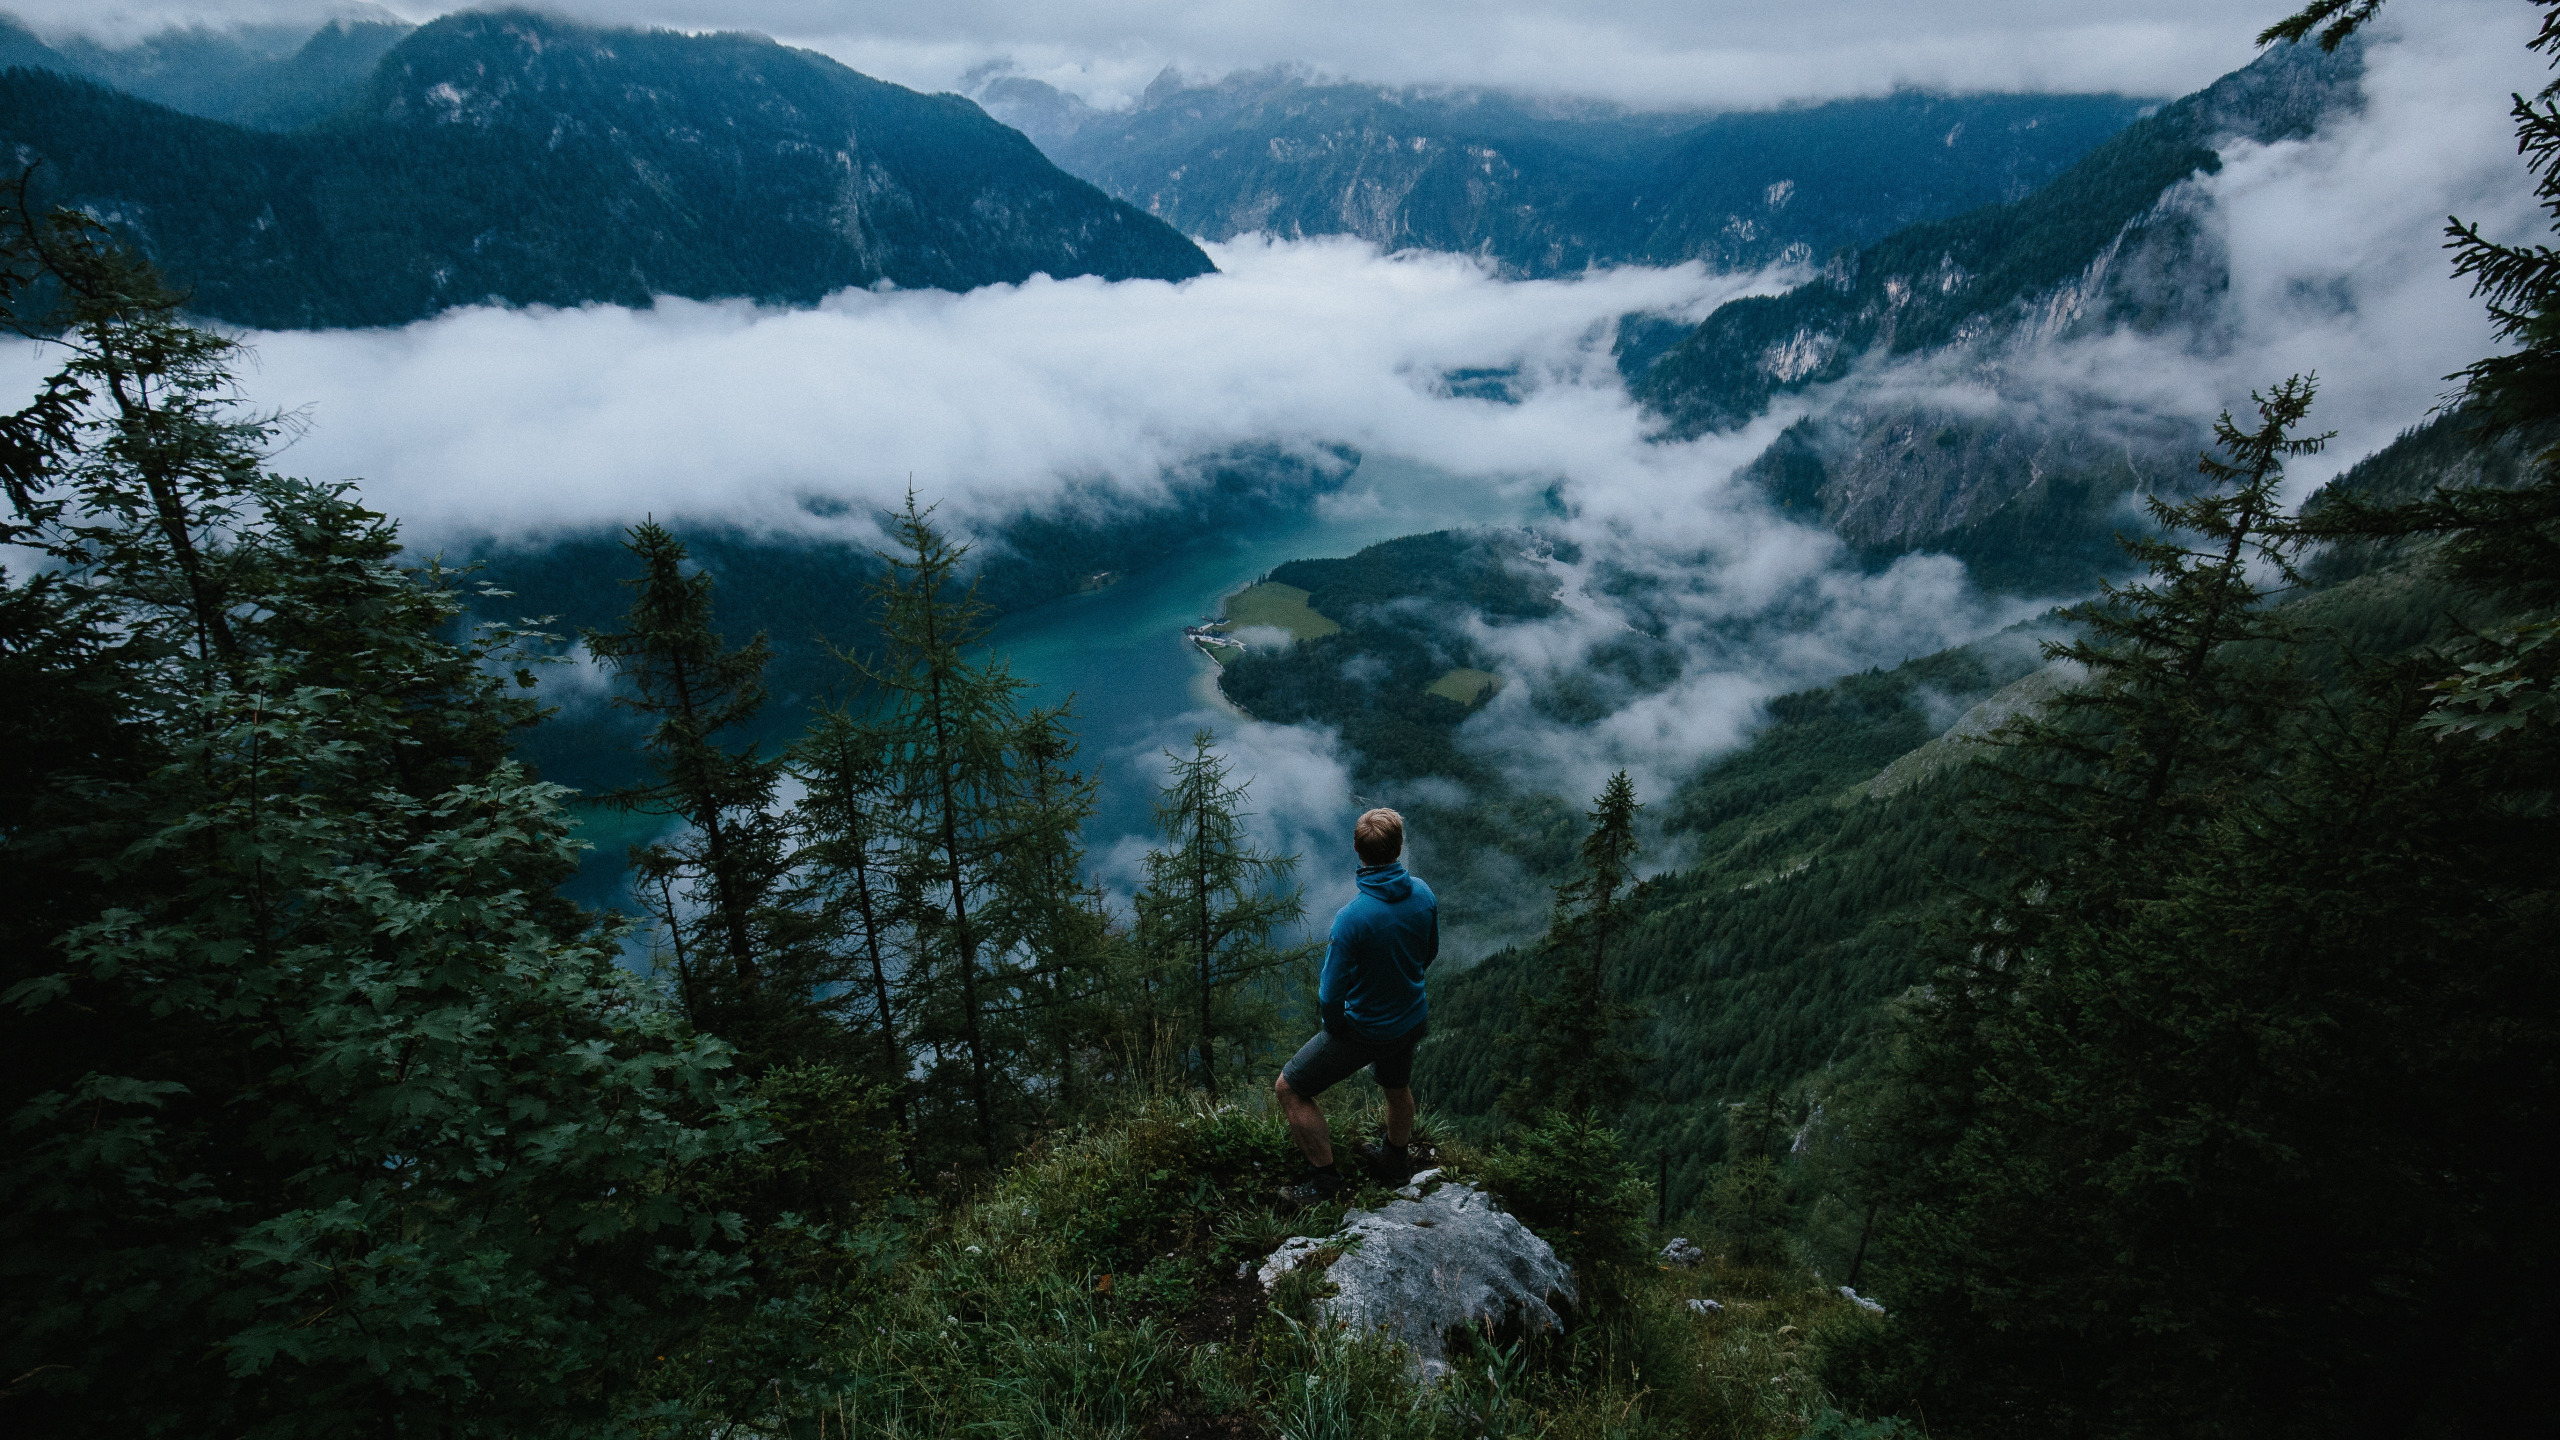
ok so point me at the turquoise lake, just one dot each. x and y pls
(1120, 651)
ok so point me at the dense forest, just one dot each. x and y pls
(2158, 1047)
(572, 165)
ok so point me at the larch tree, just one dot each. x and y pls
(947, 720)
(846, 875)
(1212, 900)
(1057, 938)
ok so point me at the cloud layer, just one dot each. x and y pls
(522, 423)
(1653, 53)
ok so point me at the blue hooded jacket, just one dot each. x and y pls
(1382, 942)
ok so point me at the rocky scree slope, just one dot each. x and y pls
(1551, 187)
(513, 157)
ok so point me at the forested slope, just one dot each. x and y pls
(1809, 859)
(504, 156)
(266, 76)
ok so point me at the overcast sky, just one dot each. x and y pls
(1673, 53)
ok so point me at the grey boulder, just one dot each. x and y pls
(1415, 1267)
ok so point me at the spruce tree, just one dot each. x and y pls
(2150, 1100)
(2503, 543)
(2184, 696)
(1212, 900)
(712, 885)
(1577, 1062)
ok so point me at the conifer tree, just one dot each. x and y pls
(948, 721)
(846, 875)
(714, 882)
(321, 1117)
(2182, 702)
(2501, 542)
(1212, 900)
(1577, 1062)
(2120, 1207)
(1055, 933)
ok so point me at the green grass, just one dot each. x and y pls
(1465, 686)
(1281, 607)
(1092, 1292)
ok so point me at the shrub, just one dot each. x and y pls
(1564, 1178)
(1747, 1203)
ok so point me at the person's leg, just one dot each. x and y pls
(1399, 1116)
(1390, 1157)
(1306, 1124)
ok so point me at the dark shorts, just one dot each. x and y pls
(1330, 1059)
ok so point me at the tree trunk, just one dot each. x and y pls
(1200, 886)
(964, 945)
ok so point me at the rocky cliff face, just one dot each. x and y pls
(1542, 187)
(1935, 429)
(515, 157)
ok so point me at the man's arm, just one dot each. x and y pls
(1334, 980)
(1337, 970)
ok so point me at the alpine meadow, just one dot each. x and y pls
(1311, 722)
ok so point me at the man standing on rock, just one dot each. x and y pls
(1374, 1011)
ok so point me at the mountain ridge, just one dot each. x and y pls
(613, 165)
(1543, 187)
(2027, 496)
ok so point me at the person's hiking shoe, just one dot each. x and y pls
(1314, 1188)
(1389, 1165)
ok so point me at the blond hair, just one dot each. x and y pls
(1378, 836)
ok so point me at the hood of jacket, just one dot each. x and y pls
(1387, 883)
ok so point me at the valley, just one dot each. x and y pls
(1977, 712)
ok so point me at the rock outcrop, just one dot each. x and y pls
(1415, 1268)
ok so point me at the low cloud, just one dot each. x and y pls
(526, 423)
(1298, 792)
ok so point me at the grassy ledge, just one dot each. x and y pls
(1094, 1291)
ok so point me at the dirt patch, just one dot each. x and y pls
(1186, 1425)
(1225, 1314)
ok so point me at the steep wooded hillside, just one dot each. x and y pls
(513, 157)
(267, 77)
